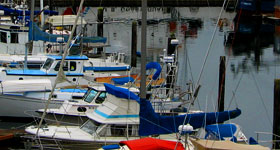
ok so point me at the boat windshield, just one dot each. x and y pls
(48, 64)
(90, 126)
(90, 96)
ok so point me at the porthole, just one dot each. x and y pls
(82, 109)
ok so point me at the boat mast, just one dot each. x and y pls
(143, 50)
(42, 14)
(29, 44)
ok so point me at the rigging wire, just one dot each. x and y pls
(204, 63)
(261, 97)
(209, 47)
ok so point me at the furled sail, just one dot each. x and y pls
(152, 123)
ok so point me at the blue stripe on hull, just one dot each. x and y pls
(114, 116)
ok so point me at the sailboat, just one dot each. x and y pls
(117, 119)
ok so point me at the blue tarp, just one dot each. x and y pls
(39, 35)
(220, 131)
(154, 65)
(122, 81)
(110, 147)
(152, 123)
(121, 92)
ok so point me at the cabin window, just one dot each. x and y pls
(3, 37)
(90, 126)
(65, 66)
(48, 64)
(90, 96)
(100, 99)
(120, 130)
(73, 66)
(14, 38)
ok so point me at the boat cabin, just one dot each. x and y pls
(73, 65)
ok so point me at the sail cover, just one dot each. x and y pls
(39, 35)
(221, 131)
(152, 144)
(152, 123)
(154, 65)
(121, 92)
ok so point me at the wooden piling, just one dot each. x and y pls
(100, 26)
(222, 77)
(276, 115)
(134, 44)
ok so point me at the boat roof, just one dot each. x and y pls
(72, 57)
(64, 20)
(120, 107)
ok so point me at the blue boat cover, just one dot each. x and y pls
(252, 141)
(138, 54)
(152, 123)
(121, 92)
(103, 69)
(8, 11)
(123, 80)
(114, 146)
(39, 35)
(220, 131)
(154, 65)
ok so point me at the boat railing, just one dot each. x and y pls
(270, 142)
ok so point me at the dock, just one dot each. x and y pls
(137, 3)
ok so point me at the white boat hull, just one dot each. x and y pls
(20, 106)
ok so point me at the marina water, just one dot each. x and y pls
(250, 70)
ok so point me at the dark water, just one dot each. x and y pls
(252, 60)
